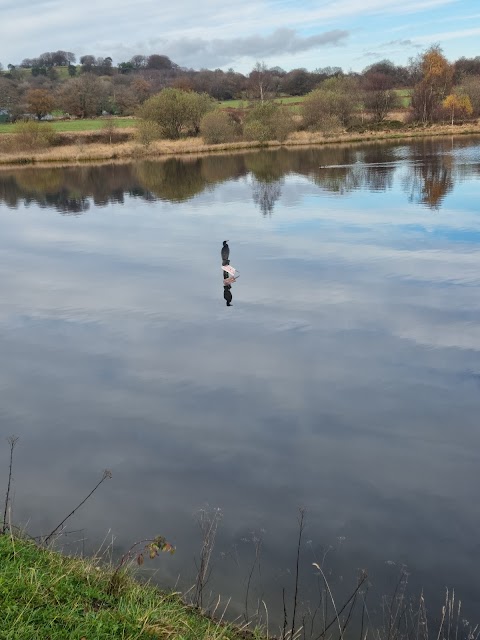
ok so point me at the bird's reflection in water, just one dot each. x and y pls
(227, 294)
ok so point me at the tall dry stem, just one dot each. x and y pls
(257, 542)
(317, 566)
(395, 604)
(208, 521)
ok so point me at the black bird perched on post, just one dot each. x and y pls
(225, 250)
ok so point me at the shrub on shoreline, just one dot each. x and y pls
(34, 136)
(217, 127)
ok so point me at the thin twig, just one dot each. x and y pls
(12, 441)
(354, 601)
(363, 612)
(285, 621)
(106, 474)
(358, 587)
(301, 527)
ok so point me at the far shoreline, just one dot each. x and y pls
(78, 155)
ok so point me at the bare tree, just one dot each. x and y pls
(82, 96)
(471, 87)
(139, 62)
(260, 79)
(40, 102)
(379, 96)
(9, 97)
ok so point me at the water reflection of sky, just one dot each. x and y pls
(345, 377)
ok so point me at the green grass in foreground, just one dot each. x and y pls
(47, 596)
(78, 125)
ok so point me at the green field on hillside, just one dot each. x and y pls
(243, 104)
(62, 72)
(295, 101)
(405, 96)
(78, 125)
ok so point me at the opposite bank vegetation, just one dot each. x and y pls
(176, 121)
(85, 147)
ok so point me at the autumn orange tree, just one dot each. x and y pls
(458, 105)
(436, 81)
(40, 102)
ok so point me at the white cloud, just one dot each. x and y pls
(447, 35)
(189, 32)
(218, 52)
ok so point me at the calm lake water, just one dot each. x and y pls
(345, 377)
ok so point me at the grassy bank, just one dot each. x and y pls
(74, 151)
(45, 595)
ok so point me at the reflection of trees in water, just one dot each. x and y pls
(139, 192)
(173, 180)
(435, 165)
(269, 166)
(8, 190)
(41, 182)
(379, 169)
(221, 168)
(266, 194)
(178, 180)
(430, 172)
(69, 190)
(268, 169)
(345, 169)
(63, 202)
(428, 183)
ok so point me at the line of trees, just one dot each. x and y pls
(152, 73)
(339, 103)
(172, 101)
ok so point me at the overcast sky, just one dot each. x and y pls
(213, 34)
